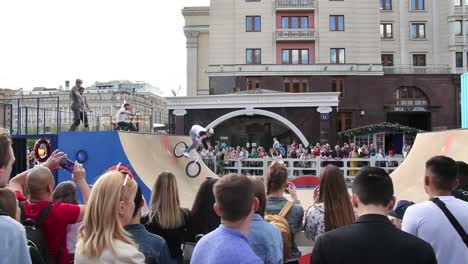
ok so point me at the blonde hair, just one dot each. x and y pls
(165, 204)
(102, 224)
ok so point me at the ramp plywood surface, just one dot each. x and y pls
(408, 177)
(151, 154)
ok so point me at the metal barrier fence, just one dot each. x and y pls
(300, 167)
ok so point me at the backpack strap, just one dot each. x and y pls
(22, 217)
(452, 219)
(286, 209)
(43, 215)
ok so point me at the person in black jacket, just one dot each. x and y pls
(165, 217)
(372, 238)
(462, 175)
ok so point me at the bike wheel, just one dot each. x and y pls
(193, 169)
(179, 149)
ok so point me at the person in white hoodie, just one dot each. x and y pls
(102, 238)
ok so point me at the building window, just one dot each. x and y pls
(409, 96)
(457, 27)
(418, 30)
(337, 55)
(253, 83)
(252, 23)
(417, 5)
(253, 56)
(459, 59)
(343, 121)
(295, 56)
(457, 2)
(294, 22)
(386, 31)
(338, 86)
(386, 4)
(295, 85)
(419, 60)
(336, 23)
(387, 59)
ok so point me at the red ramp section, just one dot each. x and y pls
(408, 177)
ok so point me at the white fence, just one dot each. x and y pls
(300, 167)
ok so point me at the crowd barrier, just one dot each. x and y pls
(300, 167)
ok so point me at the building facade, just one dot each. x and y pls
(394, 61)
(47, 110)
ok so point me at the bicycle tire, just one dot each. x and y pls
(197, 169)
(176, 147)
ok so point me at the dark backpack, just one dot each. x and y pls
(36, 240)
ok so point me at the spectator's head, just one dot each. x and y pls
(277, 178)
(275, 139)
(110, 207)
(40, 183)
(9, 204)
(373, 190)
(441, 175)
(462, 175)
(78, 82)
(391, 153)
(400, 209)
(81, 90)
(138, 204)
(203, 218)
(126, 106)
(260, 194)
(165, 203)
(235, 198)
(65, 192)
(7, 158)
(334, 194)
(337, 147)
(380, 150)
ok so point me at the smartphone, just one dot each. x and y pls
(67, 165)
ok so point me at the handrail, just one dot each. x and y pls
(300, 167)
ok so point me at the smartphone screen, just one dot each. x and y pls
(67, 164)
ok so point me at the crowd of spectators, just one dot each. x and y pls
(234, 219)
(222, 156)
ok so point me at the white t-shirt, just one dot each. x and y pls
(122, 115)
(197, 129)
(427, 221)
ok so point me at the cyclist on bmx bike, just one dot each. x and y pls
(199, 136)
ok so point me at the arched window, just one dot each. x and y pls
(409, 96)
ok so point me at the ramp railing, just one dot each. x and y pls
(300, 167)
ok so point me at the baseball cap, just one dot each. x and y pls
(400, 209)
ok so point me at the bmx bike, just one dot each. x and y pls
(193, 168)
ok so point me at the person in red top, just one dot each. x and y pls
(40, 183)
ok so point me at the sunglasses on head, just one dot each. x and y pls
(124, 170)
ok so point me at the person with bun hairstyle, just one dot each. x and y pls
(277, 185)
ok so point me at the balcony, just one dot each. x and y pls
(295, 34)
(410, 69)
(293, 70)
(296, 4)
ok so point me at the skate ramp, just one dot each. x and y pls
(152, 154)
(409, 176)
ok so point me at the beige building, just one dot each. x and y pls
(396, 61)
(405, 36)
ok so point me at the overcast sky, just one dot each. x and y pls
(44, 43)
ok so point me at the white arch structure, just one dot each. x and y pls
(251, 112)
